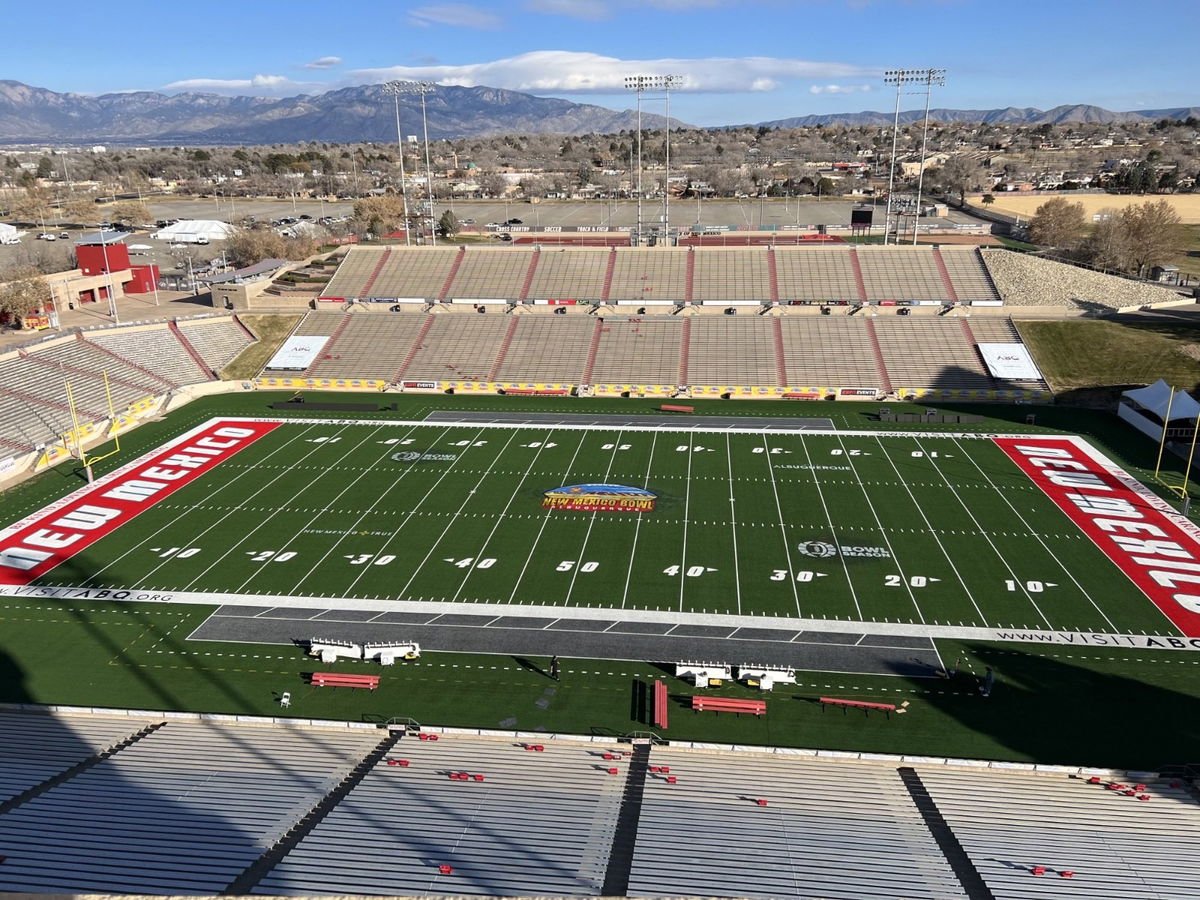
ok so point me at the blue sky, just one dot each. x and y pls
(740, 60)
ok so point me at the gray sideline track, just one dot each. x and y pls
(657, 642)
(680, 423)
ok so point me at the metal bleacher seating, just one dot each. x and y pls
(420, 274)
(491, 274)
(26, 416)
(564, 274)
(37, 746)
(548, 349)
(1114, 844)
(184, 809)
(969, 275)
(537, 824)
(730, 274)
(458, 347)
(368, 346)
(649, 275)
(930, 353)
(832, 351)
(995, 330)
(321, 324)
(155, 348)
(83, 367)
(901, 273)
(218, 341)
(727, 350)
(638, 350)
(815, 273)
(829, 829)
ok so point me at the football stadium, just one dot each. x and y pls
(513, 571)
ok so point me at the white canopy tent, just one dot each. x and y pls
(1155, 398)
(189, 231)
(9, 233)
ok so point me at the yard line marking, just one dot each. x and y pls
(879, 524)
(295, 589)
(737, 578)
(1033, 532)
(616, 444)
(454, 518)
(932, 531)
(217, 490)
(545, 521)
(828, 518)
(433, 487)
(248, 534)
(637, 526)
(500, 517)
(687, 500)
(981, 530)
(552, 624)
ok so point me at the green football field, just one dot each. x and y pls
(909, 529)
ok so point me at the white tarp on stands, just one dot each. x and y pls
(297, 353)
(1155, 398)
(1009, 362)
(188, 230)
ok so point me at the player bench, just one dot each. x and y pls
(660, 704)
(729, 704)
(342, 679)
(674, 407)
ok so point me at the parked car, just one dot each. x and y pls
(468, 221)
(506, 237)
(47, 236)
(514, 222)
(64, 236)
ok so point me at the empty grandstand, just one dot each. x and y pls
(145, 803)
(665, 276)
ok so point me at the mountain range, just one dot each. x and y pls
(1069, 114)
(361, 113)
(365, 113)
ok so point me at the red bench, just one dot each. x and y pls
(341, 679)
(660, 704)
(533, 392)
(859, 704)
(669, 407)
(729, 704)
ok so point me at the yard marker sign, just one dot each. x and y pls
(1155, 547)
(34, 546)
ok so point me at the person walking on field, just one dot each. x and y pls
(554, 667)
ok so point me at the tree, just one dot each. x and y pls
(987, 199)
(1106, 247)
(1152, 233)
(380, 215)
(249, 247)
(23, 291)
(129, 212)
(447, 225)
(45, 167)
(957, 176)
(1058, 223)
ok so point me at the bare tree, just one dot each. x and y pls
(1106, 247)
(1152, 234)
(958, 176)
(23, 291)
(1058, 223)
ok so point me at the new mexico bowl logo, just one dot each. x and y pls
(599, 498)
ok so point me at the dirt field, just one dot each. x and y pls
(1187, 205)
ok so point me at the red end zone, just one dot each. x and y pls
(35, 545)
(1155, 547)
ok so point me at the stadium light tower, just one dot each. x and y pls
(640, 84)
(395, 89)
(421, 88)
(901, 77)
(932, 77)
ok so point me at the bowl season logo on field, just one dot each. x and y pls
(599, 498)
(826, 550)
(418, 456)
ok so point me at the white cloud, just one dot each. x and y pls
(258, 84)
(457, 15)
(839, 88)
(565, 72)
(324, 62)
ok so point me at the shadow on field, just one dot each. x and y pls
(1052, 711)
(12, 681)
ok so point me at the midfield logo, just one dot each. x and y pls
(826, 550)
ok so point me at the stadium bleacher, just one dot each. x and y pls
(217, 340)
(157, 804)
